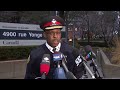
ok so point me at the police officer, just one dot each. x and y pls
(52, 26)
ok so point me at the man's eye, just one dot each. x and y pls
(58, 33)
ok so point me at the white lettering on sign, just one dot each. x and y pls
(22, 34)
(35, 35)
(11, 34)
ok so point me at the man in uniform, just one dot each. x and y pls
(52, 26)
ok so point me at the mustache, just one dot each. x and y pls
(58, 40)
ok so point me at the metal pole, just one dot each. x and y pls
(89, 71)
(73, 38)
(56, 13)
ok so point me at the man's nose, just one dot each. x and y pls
(55, 35)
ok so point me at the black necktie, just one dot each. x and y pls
(54, 50)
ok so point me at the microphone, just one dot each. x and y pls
(60, 58)
(81, 59)
(89, 52)
(69, 74)
(59, 71)
(45, 66)
(86, 66)
(91, 56)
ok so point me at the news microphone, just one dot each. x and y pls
(81, 59)
(86, 66)
(45, 66)
(89, 52)
(91, 56)
(69, 74)
(59, 71)
(62, 59)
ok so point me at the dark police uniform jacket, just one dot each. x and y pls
(36, 55)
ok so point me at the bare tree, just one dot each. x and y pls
(23, 16)
(107, 25)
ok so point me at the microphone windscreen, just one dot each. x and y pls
(44, 68)
(45, 64)
(57, 56)
(89, 52)
(88, 48)
(46, 59)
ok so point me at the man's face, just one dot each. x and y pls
(53, 37)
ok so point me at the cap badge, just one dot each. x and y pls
(54, 22)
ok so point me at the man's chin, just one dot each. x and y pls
(55, 44)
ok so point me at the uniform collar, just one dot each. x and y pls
(51, 48)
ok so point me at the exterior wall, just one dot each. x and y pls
(14, 69)
(110, 70)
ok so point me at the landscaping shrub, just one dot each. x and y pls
(116, 53)
(15, 52)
